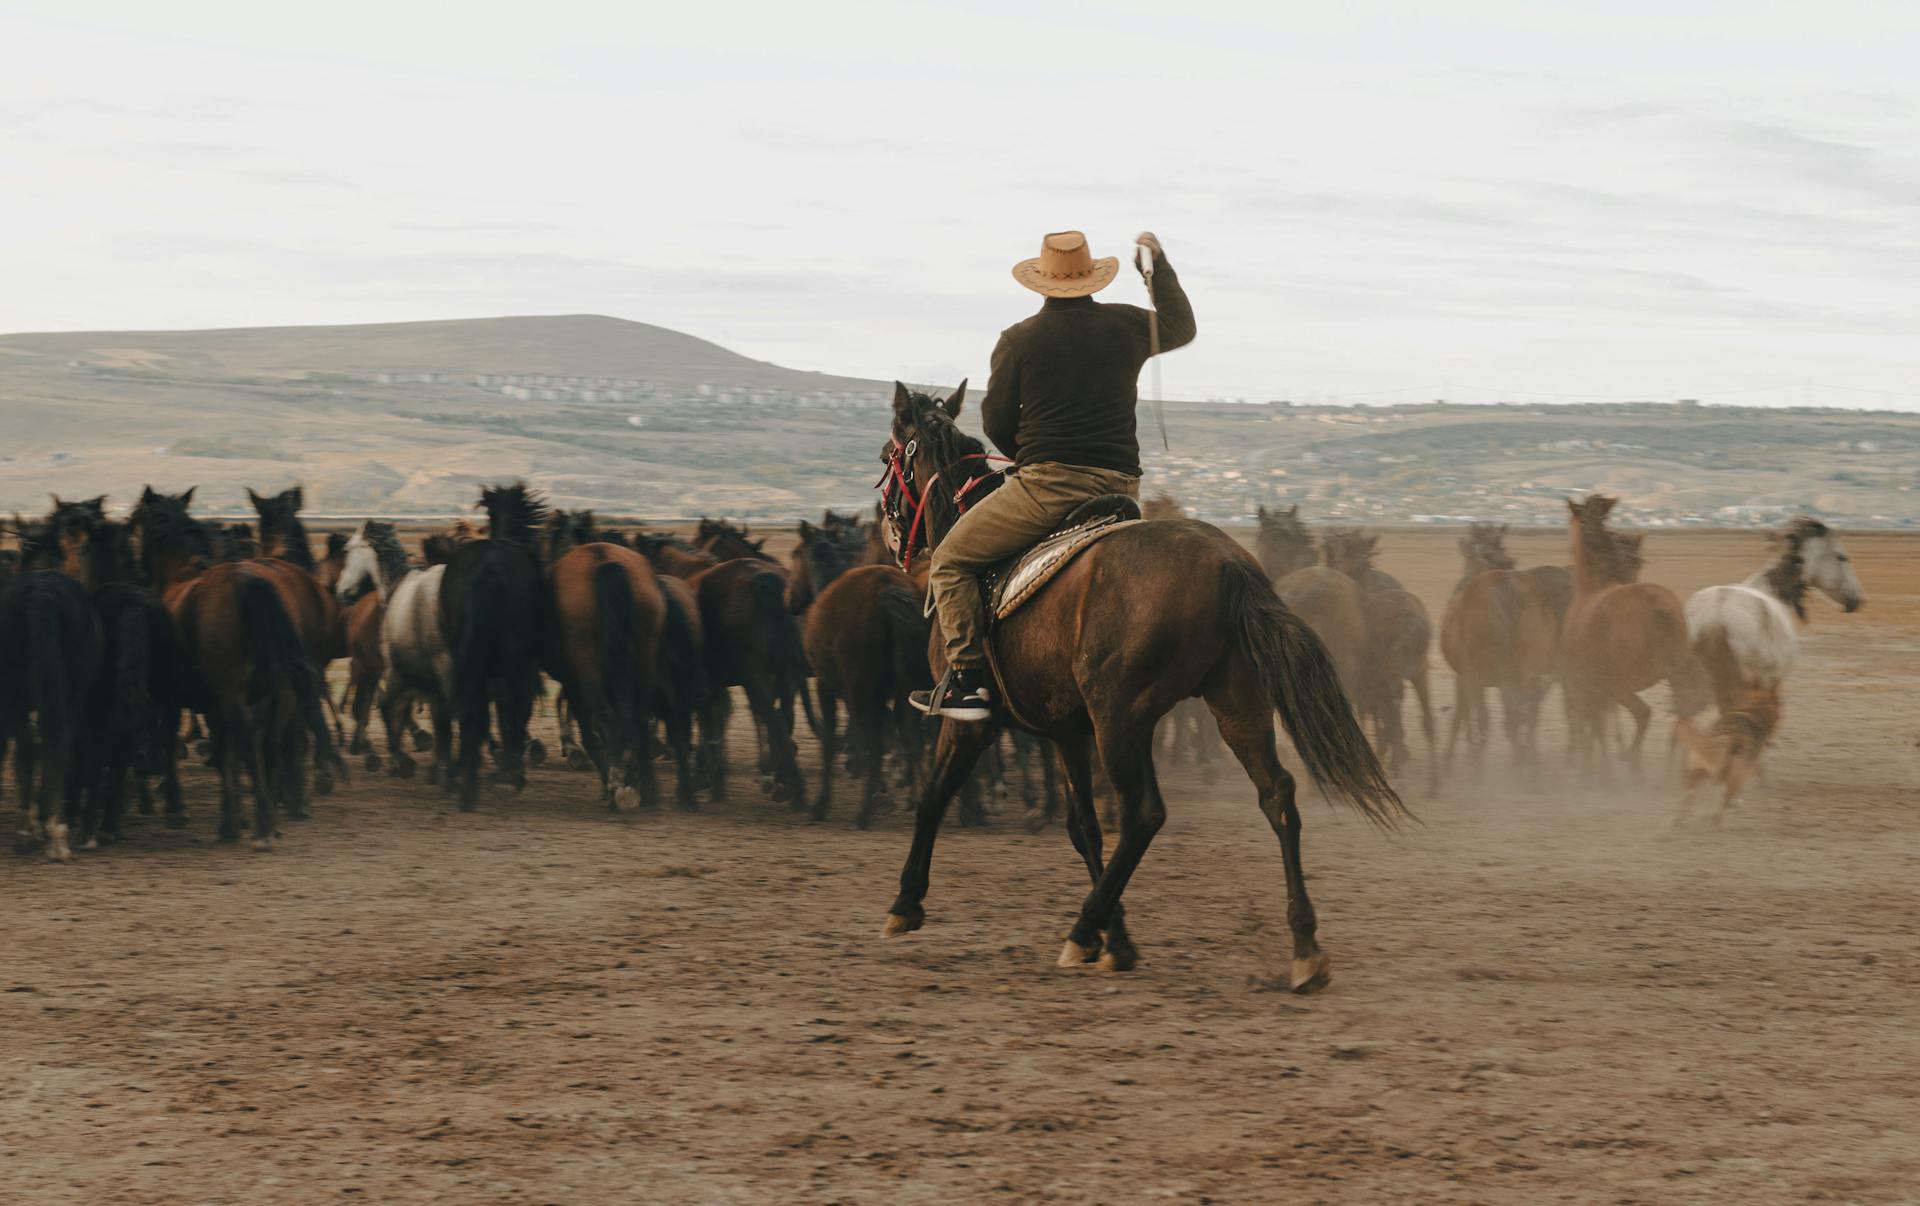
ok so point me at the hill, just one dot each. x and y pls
(411, 418)
(589, 345)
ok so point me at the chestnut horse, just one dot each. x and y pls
(605, 615)
(491, 600)
(1283, 543)
(866, 639)
(255, 633)
(1499, 631)
(1621, 637)
(1152, 614)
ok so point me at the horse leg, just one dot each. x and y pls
(957, 749)
(1246, 723)
(1127, 754)
(1463, 687)
(365, 689)
(31, 832)
(830, 745)
(262, 758)
(872, 722)
(781, 767)
(1642, 715)
(396, 712)
(1116, 949)
(465, 776)
(1423, 691)
(679, 724)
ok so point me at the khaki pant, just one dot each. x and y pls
(1020, 514)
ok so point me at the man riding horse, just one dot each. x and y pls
(1060, 404)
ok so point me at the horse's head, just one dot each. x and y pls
(934, 470)
(823, 554)
(1484, 547)
(1283, 543)
(280, 526)
(360, 569)
(172, 541)
(1629, 555)
(1811, 553)
(1600, 556)
(567, 530)
(1349, 550)
(70, 525)
(727, 542)
(1162, 506)
(515, 514)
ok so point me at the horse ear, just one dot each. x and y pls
(902, 400)
(296, 496)
(147, 495)
(1573, 508)
(186, 500)
(253, 498)
(1260, 511)
(806, 532)
(1293, 512)
(957, 399)
(760, 543)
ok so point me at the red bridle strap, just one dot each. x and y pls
(905, 485)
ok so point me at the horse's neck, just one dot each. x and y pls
(1783, 578)
(1590, 572)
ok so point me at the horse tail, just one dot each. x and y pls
(619, 641)
(47, 679)
(785, 657)
(906, 629)
(474, 642)
(132, 678)
(280, 658)
(1299, 677)
(683, 671)
(1505, 605)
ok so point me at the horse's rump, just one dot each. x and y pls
(1332, 605)
(1498, 630)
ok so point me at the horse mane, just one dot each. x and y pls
(163, 521)
(1787, 576)
(337, 543)
(386, 547)
(515, 513)
(948, 447)
(1162, 506)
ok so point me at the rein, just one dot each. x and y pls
(897, 483)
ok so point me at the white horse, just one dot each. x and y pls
(1745, 636)
(419, 666)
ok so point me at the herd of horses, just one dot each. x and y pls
(112, 631)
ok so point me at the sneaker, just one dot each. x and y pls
(967, 697)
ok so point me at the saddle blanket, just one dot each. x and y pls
(1013, 584)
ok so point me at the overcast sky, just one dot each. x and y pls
(1372, 201)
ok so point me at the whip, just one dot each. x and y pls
(1143, 255)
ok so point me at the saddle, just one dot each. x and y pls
(1014, 581)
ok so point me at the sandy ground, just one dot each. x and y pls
(1547, 992)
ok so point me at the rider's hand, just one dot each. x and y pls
(1150, 241)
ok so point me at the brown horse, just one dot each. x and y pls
(1498, 632)
(254, 633)
(866, 639)
(1399, 636)
(726, 542)
(1621, 637)
(1150, 615)
(605, 618)
(1332, 605)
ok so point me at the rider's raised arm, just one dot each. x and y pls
(1170, 300)
(1000, 409)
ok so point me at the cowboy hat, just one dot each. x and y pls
(1065, 268)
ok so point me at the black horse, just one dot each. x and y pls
(282, 534)
(491, 603)
(50, 651)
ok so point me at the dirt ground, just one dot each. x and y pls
(1545, 993)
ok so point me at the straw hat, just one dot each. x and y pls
(1065, 268)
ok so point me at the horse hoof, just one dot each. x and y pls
(403, 770)
(422, 740)
(322, 786)
(578, 760)
(371, 762)
(203, 750)
(92, 843)
(626, 799)
(1075, 955)
(783, 793)
(1037, 820)
(1118, 957)
(536, 752)
(897, 925)
(1312, 974)
(263, 845)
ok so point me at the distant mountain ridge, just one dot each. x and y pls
(591, 345)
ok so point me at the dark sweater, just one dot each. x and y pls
(1065, 382)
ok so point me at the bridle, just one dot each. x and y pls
(896, 486)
